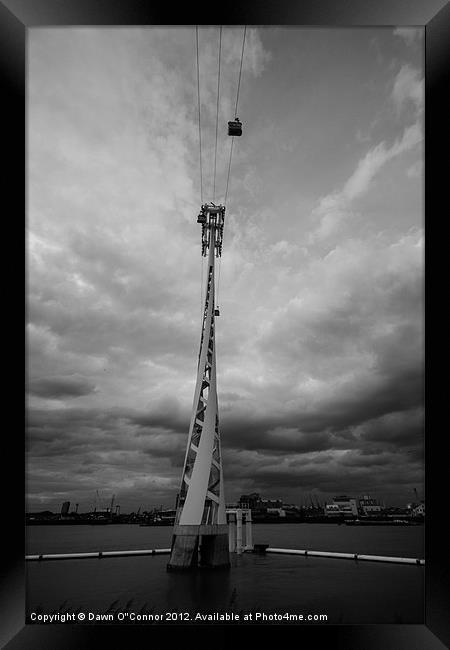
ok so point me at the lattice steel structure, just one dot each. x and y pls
(200, 536)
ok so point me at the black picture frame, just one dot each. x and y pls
(16, 16)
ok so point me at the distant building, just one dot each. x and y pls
(368, 506)
(251, 500)
(347, 505)
(394, 511)
(65, 508)
(254, 502)
(271, 503)
(332, 510)
(419, 510)
(279, 511)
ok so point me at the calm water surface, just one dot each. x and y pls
(347, 591)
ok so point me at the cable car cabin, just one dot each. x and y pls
(201, 218)
(235, 128)
(216, 312)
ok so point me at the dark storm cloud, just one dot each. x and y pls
(402, 429)
(331, 422)
(401, 391)
(266, 434)
(68, 429)
(346, 473)
(360, 481)
(98, 329)
(55, 387)
(167, 413)
(70, 419)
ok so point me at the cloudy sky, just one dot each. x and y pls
(320, 338)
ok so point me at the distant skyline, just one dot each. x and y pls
(320, 337)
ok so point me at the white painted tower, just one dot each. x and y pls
(200, 535)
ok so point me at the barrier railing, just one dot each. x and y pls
(96, 554)
(347, 556)
(257, 548)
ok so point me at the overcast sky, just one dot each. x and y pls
(320, 337)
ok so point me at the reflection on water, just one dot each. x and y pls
(210, 589)
(403, 541)
(345, 590)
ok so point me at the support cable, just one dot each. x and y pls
(217, 114)
(199, 123)
(235, 112)
(240, 71)
(231, 146)
(229, 168)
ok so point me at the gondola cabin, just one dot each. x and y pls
(216, 312)
(235, 127)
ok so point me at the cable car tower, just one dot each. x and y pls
(200, 535)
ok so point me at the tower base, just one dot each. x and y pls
(199, 547)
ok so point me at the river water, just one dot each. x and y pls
(344, 590)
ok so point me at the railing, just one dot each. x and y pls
(258, 548)
(347, 556)
(96, 554)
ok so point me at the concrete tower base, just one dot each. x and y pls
(199, 547)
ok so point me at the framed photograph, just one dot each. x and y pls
(259, 184)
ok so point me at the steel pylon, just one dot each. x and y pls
(200, 536)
